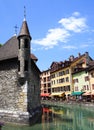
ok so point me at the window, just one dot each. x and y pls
(44, 79)
(84, 87)
(92, 74)
(75, 80)
(53, 76)
(49, 85)
(26, 43)
(52, 89)
(67, 79)
(87, 87)
(61, 80)
(60, 73)
(26, 65)
(19, 43)
(63, 72)
(76, 88)
(48, 78)
(67, 71)
(44, 85)
(18, 65)
(86, 78)
(92, 86)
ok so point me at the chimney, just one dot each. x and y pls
(71, 58)
(86, 54)
(87, 58)
(79, 54)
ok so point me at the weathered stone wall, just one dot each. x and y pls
(34, 90)
(17, 101)
(8, 86)
(13, 96)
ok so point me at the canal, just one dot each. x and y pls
(61, 118)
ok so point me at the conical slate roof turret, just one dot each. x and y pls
(24, 31)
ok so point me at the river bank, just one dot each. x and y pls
(84, 105)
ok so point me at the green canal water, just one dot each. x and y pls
(61, 118)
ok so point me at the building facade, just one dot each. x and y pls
(81, 81)
(45, 82)
(71, 76)
(60, 79)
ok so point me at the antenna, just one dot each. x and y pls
(16, 27)
(24, 13)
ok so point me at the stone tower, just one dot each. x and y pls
(24, 60)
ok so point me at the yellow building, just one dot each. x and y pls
(60, 79)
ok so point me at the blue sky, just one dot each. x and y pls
(59, 28)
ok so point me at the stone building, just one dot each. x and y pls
(19, 79)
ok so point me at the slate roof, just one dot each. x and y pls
(24, 31)
(10, 50)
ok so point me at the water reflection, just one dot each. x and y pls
(55, 118)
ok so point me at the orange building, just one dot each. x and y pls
(45, 83)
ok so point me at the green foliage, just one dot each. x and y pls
(0, 44)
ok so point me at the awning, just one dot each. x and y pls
(46, 110)
(86, 93)
(76, 93)
(58, 94)
(44, 94)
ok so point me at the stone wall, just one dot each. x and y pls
(34, 90)
(8, 86)
(18, 102)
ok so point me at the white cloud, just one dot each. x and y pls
(76, 14)
(84, 46)
(73, 24)
(69, 47)
(53, 37)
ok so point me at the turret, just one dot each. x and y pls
(24, 60)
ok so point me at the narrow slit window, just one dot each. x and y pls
(19, 43)
(26, 43)
(18, 65)
(26, 66)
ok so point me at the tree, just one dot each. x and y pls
(0, 44)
